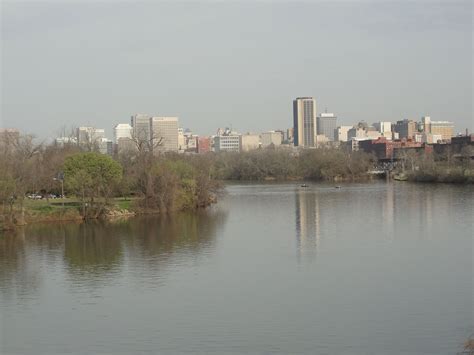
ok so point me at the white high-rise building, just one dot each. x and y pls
(304, 121)
(122, 130)
(165, 129)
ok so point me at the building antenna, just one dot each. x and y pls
(326, 109)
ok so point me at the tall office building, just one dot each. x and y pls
(166, 130)
(122, 130)
(141, 125)
(326, 124)
(304, 121)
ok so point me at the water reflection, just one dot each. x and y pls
(308, 223)
(96, 253)
(18, 276)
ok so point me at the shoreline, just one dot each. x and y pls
(73, 215)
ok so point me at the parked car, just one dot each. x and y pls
(35, 197)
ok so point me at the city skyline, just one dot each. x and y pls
(90, 68)
(109, 132)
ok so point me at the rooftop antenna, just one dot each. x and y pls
(326, 109)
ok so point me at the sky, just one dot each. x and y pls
(233, 64)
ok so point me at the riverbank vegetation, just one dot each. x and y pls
(274, 164)
(34, 175)
(442, 168)
(141, 181)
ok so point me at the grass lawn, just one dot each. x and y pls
(44, 207)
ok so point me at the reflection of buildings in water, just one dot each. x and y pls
(388, 210)
(428, 213)
(308, 230)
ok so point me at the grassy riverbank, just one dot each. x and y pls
(58, 210)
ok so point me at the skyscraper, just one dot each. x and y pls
(166, 130)
(141, 125)
(304, 121)
(327, 123)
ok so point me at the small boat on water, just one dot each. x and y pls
(304, 185)
(337, 187)
(400, 177)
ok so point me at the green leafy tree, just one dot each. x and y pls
(92, 176)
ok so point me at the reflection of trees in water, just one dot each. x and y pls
(93, 253)
(21, 253)
(153, 244)
(16, 278)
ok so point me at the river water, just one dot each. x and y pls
(376, 268)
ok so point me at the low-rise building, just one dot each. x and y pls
(122, 130)
(354, 143)
(384, 128)
(89, 136)
(322, 140)
(65, 141)
(290, 135)
(106, 146)
(456, 146)
(203, 145)
(405, 128)
(126, 145)
(356, 132)
(249, 142)
(271, 138)
(341, 133)
(227, 141)
(385, 149)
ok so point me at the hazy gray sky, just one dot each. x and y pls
(216, 64)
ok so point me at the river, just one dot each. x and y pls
(372, 268)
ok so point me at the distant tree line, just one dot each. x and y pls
(282, 164)
(445, 167)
